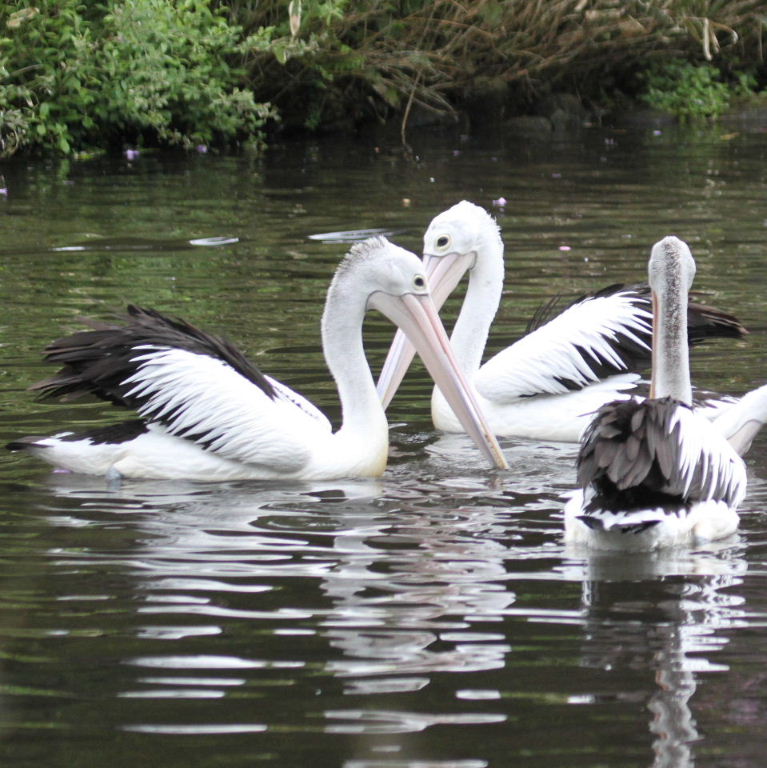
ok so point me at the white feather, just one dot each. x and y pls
(708, 458)
(704, 522)
(238, 420)
(740, 419)
(564, 348)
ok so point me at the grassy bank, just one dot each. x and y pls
(79, 75)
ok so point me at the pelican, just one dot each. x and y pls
(546, 385)
(652, 472)
(206, 413)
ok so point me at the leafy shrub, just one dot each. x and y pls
(689, 91)
(168, 71)
(71, 77)
(47, 74)
(355, 57)
(74, 74)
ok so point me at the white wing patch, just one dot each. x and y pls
(739, 420)
(708, 464)
(565, 348)
(311, 410)
(205, 400)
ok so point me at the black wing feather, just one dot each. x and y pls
(703, 322)
(98, 361)
(631, 457)
(628, 460)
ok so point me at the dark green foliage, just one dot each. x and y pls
(76, 76)
(353, 59)
(47, 75)
(691, 92)
(81, 74)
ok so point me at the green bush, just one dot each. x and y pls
(47, 72)
(72, 78)
(355, 59)
(76, 74)
(692, 91)
(168, 71)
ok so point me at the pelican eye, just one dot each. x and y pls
(443, 241)
(419, 281)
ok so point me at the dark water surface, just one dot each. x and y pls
(432, 618)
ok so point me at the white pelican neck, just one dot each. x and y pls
(342, 322)
(671, 272)
(483, 296)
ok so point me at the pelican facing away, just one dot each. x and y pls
(652, 472)
(546, 385)
(206, 413)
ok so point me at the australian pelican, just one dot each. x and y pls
(547, 384)
(652, 472)
(206, 413)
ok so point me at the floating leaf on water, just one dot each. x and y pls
(214, 241)
(352, 235)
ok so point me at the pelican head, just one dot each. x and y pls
(464, 238)
(385, 268)
(455, 242)
(671, 267)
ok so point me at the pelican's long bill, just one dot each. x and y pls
(416, 315)
(443, 273)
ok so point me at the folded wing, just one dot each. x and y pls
(196, 385)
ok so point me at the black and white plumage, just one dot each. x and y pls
(653, 472)
(207, 413)
(544, 385)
